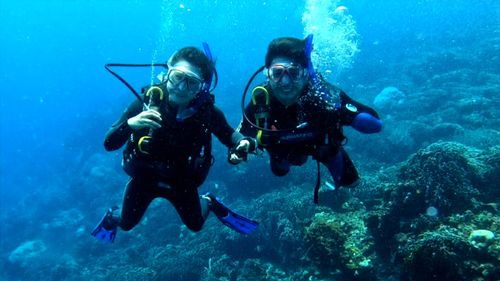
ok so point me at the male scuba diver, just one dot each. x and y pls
(296, 114)
(167, 135)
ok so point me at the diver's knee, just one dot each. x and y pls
(280, 167)
(127, 224)
(280, 172)
(195, 227)
(126, 227)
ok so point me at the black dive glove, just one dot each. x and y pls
(240, 151)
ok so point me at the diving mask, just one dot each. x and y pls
(294, 71)
(177, 76)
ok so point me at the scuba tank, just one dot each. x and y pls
(155, 96)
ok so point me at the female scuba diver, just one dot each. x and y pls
(167, 135)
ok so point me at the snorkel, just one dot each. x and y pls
(204, 94)
(308, 50)
(208, 53)
(316, 83)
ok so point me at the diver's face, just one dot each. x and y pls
(183, 83)
(287, 79)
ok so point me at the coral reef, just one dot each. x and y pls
(27, 252)
(340, 242)
(427, 212)
(446, 254)
(441, 176)
(427, 218)
(441, 254)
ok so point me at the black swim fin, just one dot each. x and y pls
(229, 218)
(106, 228)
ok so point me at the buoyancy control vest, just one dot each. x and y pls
(308, 131)
(174, 149)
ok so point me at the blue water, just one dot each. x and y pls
(57, 101)
(57, 98)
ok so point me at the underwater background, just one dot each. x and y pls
(427, 207)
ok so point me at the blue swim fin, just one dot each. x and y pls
(229, 218)
(106, 228)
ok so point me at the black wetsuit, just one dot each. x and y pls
(307, 128)
(174, 164)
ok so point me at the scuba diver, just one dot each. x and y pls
(296, 114)
(167, 133)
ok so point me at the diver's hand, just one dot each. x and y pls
(240, 152)
(147, 119)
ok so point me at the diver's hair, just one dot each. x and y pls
(287, 47)
(195, 57)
